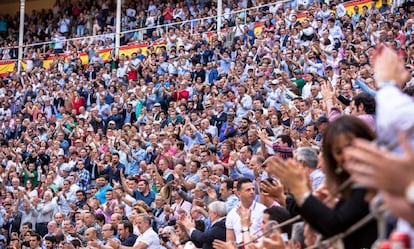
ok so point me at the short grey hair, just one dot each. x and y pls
(259, 159)
(168, 229)
(218, 207)
(146, 217)
(308, 155)
(218, 166)
(298, 233)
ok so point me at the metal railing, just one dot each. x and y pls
(165, 27)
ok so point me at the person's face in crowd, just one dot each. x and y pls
(49, 244)
(179, 169)
(204, 173)
(90, 235)
(266, 219)
(310, 131)
(83, 153)
(122, 231)
(158, 185)
(100, 182)
(225, 192)
(80, 196)
(298, 122)
(34, 242)
(193, 167)
(163, 165)
(245, 154)
(246, 193)
(58, 218)
(204, 157)
(107, 233)
(109, 196)
(115, 160)
(314, 94)
(15, 183)
(252, 137)
(310, 236)
(51, 227)
(342, 142)
(274, 120)
(26, 205)
(25, 228)
(159, 201)
(253, 164)
(132, 184)
(141, 224)
(166, 144)
(27, 237)
(244, 124)
(347, 90)
(65, 186)
(88, 219)
(49, 179)
(241, 90)
(296, 103)
(142, 187)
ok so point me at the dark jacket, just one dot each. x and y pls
(346, 213)
(218, 120)
(216, 231)
(133, 116)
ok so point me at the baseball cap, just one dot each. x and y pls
(322, 120)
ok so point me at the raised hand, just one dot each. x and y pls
(388, 65)
(290, 174)
(369, 165)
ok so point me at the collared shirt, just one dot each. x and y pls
(231, 202)
(130, 240)
(233, 221)
(317, 177)
(84, 179)
(150, 238)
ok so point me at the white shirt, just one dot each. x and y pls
(149, 238)
(233, 221)
(394, 114)
(244, 106)
(317, 177)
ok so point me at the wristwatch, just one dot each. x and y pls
(245, 229)
(409, 192)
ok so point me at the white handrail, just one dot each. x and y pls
(233, 13)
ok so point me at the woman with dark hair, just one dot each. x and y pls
(31, 190)
(351, 206)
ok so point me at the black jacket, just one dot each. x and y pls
(346, 213)
(216, 231)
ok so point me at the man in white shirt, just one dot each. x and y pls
(244, 101)
(148, 238)
(246, 193)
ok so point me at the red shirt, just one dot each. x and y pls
(76, 104)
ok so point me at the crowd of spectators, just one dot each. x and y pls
(205, 141)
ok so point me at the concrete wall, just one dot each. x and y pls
(13, 6)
